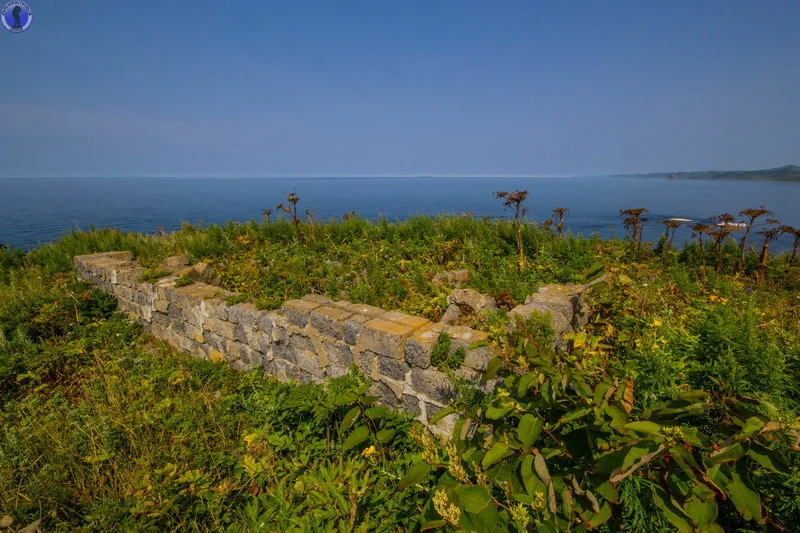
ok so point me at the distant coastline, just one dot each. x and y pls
(788, 173)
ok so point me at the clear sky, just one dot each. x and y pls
(351, 87)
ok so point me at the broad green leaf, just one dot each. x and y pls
(433, 524)
(496, 413)
(359, 435)
(478, 344)
(495, 453)
(731, 453)
(752, 426)
(674, 514)
(344, 399)
(702, 512)
(385, 435)
(574, 415)
(594, 271)
(644, 427)
(624, 279)
(377, 412)
(525, 382)
(767, 458)
(416, 474)
(601, 517)
(529, 429)
(492, 367)
(746, 500)
(369, 400)
(533, 484)
(473, 499)
(348, 419)
(441, 414)
(618, 417)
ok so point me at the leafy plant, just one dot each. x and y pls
(443, 357)
(152, 274)
(183, 281)
(554, 448)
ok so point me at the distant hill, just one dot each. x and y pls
(789, 173)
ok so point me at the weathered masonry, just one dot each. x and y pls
(306, 340)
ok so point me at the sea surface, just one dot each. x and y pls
(38, 210)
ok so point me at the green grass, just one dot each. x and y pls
(104, 428)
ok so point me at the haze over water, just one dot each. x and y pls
(34, 211)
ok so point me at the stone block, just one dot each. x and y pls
(310, 362)
(478, 358)
(385, 338)
(258, 340)
(285, 352)
(298, 311)
(352, 328)
(414, 322)
(339, 353)
(317, 299)
(220, 327)
(385, 395)
(473, 299)
(452, 277)
(171, 264)
(244, 313)
(396, 386)
(204, 273)
(366, 310)
(433, 383)
(300, 342)
(418, 347)
(266, 323)
(392, 368)
(451, 315)
(411, 405)
(367, 362)
(329, 321)
(559, 322)
(215, 341)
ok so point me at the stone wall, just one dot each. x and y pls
(306, 340)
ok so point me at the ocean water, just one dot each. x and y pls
(39, 210)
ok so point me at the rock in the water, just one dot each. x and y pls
(473, 299)
(452, 277)
(171, 264)
(452, 315)
(203, 273)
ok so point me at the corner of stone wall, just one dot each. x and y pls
(310, 339)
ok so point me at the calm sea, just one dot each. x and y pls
(34, 211)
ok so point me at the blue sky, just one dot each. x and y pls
(287, 88)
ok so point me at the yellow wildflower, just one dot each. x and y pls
(657, 323)
(449, 512)
(454, 465)
(520, 515)
(369, 452)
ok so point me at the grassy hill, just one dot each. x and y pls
(789, 173)
(674, 409)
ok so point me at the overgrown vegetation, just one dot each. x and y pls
(676, 408)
